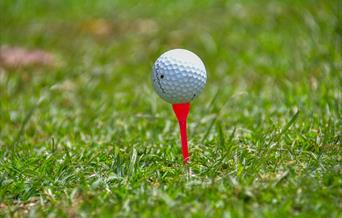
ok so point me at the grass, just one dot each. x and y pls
(89, 137)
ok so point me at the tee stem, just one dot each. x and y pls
(182, 111)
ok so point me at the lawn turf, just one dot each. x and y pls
(89, 136)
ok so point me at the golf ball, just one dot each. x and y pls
(178, 76)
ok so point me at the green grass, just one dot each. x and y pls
(90, 137)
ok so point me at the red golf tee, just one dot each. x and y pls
(182, 111)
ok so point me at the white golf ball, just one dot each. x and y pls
(178, 76)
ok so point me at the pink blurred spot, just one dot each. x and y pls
(20, 57)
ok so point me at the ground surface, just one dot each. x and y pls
(87, 135)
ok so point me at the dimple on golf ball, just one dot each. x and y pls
(178, 76)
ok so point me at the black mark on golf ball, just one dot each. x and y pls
(193, 96)
(162, 76)
(158, 81)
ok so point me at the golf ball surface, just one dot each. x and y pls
(178, 76)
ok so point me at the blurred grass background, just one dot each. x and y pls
(88, 135)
